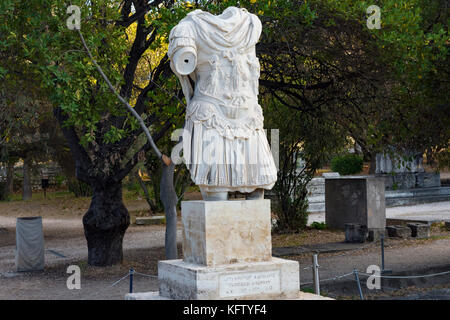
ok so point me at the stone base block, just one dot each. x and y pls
(224, 232)
(355, 233)
(375, 234)
(447, 225)
(419, 230)
(355, 199)
(398, 231)
(274, 279)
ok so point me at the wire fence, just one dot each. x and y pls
(356, 274)
(315, 272)
(378, 275)
(408, 277)
(129, 275)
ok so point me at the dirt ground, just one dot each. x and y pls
(143, 246)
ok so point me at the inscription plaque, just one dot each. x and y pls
(241, 284)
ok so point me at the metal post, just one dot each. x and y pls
(383, 270)
(315, 268)
(358, 283)
(382, 252)
(131, 280)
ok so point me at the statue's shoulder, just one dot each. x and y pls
(195, 12)
(184, 29)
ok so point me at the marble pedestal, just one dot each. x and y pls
(227, 254)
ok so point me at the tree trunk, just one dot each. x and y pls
(373, 163)
(9, 185)
(169, 199)
(26, 182)
(152, 206)
(105, 224)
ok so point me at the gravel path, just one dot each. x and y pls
(64, 236)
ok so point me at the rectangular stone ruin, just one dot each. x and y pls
(355, 200)
(29, 244)
(227, 254)
(355, 233)
(419, 230)
(398, 231)
(400, 172)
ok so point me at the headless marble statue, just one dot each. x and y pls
(224, 145)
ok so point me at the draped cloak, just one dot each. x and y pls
(224, 144)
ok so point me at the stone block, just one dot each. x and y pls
(447, 225)
(398, 231)
(274, 279)
(316, 186)
(30, 248)
(223, 232)
(375, 234)
(428, 180)
(328, 175)
(400, 163)
(355, 199)
(419, 230)
(355, 233)
(405, 180)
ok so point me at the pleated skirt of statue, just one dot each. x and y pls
(217, 163)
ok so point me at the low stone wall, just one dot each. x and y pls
(410, 180)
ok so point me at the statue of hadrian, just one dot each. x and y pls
(224, 145)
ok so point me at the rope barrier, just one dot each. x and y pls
(146, 275)
(132, 271)
(381, 276)
(406, 277)
(109, 287)
(331, 279)
(338, 277)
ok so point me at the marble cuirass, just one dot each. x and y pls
(215, 60)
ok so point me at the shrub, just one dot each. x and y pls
(79, 188)
(292, 207)
(318, 225)
(347, 164)
(60, 179)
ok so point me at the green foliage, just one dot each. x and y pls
(292, 212)
(347, 164)
(60, 179)
(299, 140)
(318, 225)
(79, 188)
(308, 290)
(443, 159)
(334, 76)
(413, 47)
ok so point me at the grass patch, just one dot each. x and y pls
(306, 237)
(38, 195)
